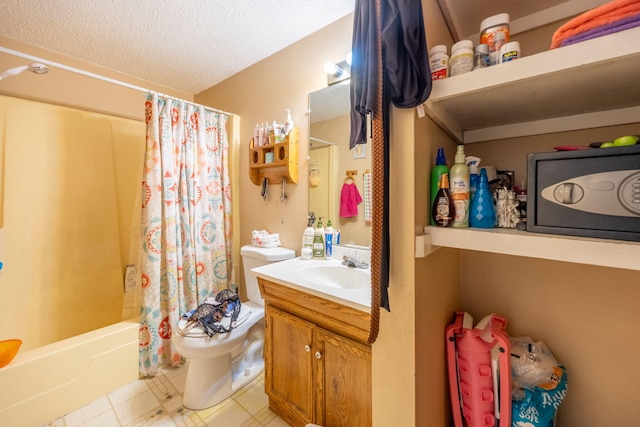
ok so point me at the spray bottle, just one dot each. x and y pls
(439, 169)
(473, 163)
(459, 182)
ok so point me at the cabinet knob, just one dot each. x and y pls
(307, 348)
(318, 355)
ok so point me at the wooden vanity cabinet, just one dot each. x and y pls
(317, 365)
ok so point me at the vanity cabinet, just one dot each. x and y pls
(317, 361)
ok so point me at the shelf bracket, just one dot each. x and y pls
(424, 247)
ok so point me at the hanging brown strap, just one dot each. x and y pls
(377, 187)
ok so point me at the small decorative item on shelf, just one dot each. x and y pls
(507, 209)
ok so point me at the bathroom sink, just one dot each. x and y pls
(335, 275)
(325, 278)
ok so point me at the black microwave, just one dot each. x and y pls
(591, 193)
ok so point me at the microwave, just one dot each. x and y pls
(591, 193)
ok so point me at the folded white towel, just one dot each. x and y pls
(265, 239)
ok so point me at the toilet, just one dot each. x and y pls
(222, 364)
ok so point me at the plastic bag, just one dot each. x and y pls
(539, 383)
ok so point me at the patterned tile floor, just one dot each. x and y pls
(157, 402)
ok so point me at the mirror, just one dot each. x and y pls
(331, 162)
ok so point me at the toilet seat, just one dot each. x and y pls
(195, 330)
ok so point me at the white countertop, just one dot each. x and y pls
(291, 273)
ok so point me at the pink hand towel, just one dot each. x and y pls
(349, 200)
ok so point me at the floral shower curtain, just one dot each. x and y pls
(186, 221)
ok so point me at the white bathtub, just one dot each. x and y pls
(45, 383)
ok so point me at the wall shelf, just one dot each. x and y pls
(581, 250)
(284, 165)
(581, 86)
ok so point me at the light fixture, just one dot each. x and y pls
(35, 68)
(337, 72)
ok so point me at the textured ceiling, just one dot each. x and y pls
(185, 45)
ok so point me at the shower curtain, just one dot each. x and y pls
(186, 221)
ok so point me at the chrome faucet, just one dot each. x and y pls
(351, 261)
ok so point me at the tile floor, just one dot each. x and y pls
(157, 402)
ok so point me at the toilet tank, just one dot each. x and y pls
(255, 256)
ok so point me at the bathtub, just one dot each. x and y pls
(45, 383)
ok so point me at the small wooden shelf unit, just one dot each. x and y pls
(285, 160)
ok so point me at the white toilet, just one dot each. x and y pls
(222, 364)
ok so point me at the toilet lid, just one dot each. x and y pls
(195, 330)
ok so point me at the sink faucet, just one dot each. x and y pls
(351, 261)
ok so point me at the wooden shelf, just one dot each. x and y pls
(284, 165)
(581, 250)
(581, 86)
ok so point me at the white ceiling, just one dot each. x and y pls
(184, 45)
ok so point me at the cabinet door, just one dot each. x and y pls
(289, 367)
(343, 381)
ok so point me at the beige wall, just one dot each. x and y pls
(262, 93)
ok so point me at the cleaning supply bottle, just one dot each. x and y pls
(307, 236)
(443, 209)
(483, 211)
(437, 171)
(328, 240)
(473, 163)
(318, 241)
(459, 187)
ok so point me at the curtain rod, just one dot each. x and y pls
(103, 78)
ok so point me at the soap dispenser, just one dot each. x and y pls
(318, 241)
(288, 125)
(307, 236)
(483, 212)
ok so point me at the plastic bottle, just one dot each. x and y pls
(494, 31)
(443, 209)
(328, 239)
(307, 236)
(318, 241)
(439, 169)
(481, 56)
(521, 195)
(439, 62)
(288, 124)
(483, 212)
(509, 52)
(461, 60)
(473, 163)
(459, 187)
